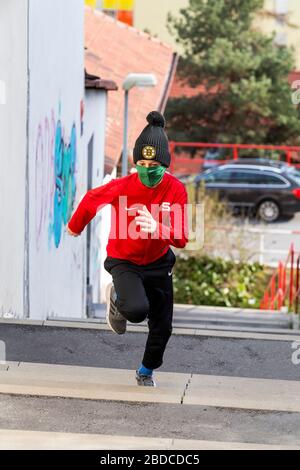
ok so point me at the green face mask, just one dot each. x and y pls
(152, 175)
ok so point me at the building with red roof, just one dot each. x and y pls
(105, 38)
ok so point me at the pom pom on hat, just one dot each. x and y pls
(156, 119)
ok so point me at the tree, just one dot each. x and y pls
(245, 95)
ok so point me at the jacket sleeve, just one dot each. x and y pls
(175, 229)
(90, 204)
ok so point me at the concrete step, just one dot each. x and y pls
(41, 440)
(88, 383)
(257, 323)
(227, 310)
(211, 312)
(119, 385)
(191, 316)
(234, 318)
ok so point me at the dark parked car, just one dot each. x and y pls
(217, 158)
(267, 191)
(260, 162)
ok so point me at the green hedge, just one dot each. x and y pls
(203, 280)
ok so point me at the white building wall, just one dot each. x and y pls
(94, 126)
(57, 168)
(105, 277)
(13, 79)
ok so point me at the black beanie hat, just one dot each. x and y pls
(152, 143)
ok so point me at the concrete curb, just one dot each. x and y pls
(41, 440)
(91, 383)
(190, 330)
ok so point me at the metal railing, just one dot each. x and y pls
(193, 163)
(297, 289)
(283, 288)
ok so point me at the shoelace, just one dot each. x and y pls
(146, 378)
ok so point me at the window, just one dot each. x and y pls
(294, 174)
(252, 177)
(218, 176)
(243, 177)
(281, 7)
(281, 38)
(274, 180)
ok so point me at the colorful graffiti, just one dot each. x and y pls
(65, 185)
(122, 10)
(55, 183)
(44, 176)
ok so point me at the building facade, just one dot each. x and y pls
(283, 18)
(279, 16)
(122, 10)
(51, 151)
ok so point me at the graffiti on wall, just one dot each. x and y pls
(55, 182)
(122, 10)
(44, 175)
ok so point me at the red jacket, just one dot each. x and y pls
(166, 202)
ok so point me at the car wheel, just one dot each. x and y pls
(268, 211)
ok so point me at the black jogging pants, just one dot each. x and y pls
(146, 292)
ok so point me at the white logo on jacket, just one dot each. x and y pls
(166, 206)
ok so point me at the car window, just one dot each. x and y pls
(294, 174)
(218, 176)
(254, 177)
(273, 179)
(247, 176)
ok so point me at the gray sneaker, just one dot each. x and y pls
(145, 380)
(115, 320)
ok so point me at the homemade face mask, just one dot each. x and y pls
(152, 175)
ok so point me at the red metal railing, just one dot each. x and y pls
(182, 160)
(280, 290)
(297, 289)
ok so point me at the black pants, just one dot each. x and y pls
(146, 292)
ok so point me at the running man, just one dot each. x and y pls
(148, 215)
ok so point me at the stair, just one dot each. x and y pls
(115, 385)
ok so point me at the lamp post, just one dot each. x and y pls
(141, 80)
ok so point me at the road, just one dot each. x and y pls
(208, 354)
(281, 242)
(267, 243)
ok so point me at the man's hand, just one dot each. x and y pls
(72, 233)
(147, 223)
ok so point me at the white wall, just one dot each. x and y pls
(13, 65)
(94, 125)
(105, 277)
(57, 170)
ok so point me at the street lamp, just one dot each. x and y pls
(141, 80)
